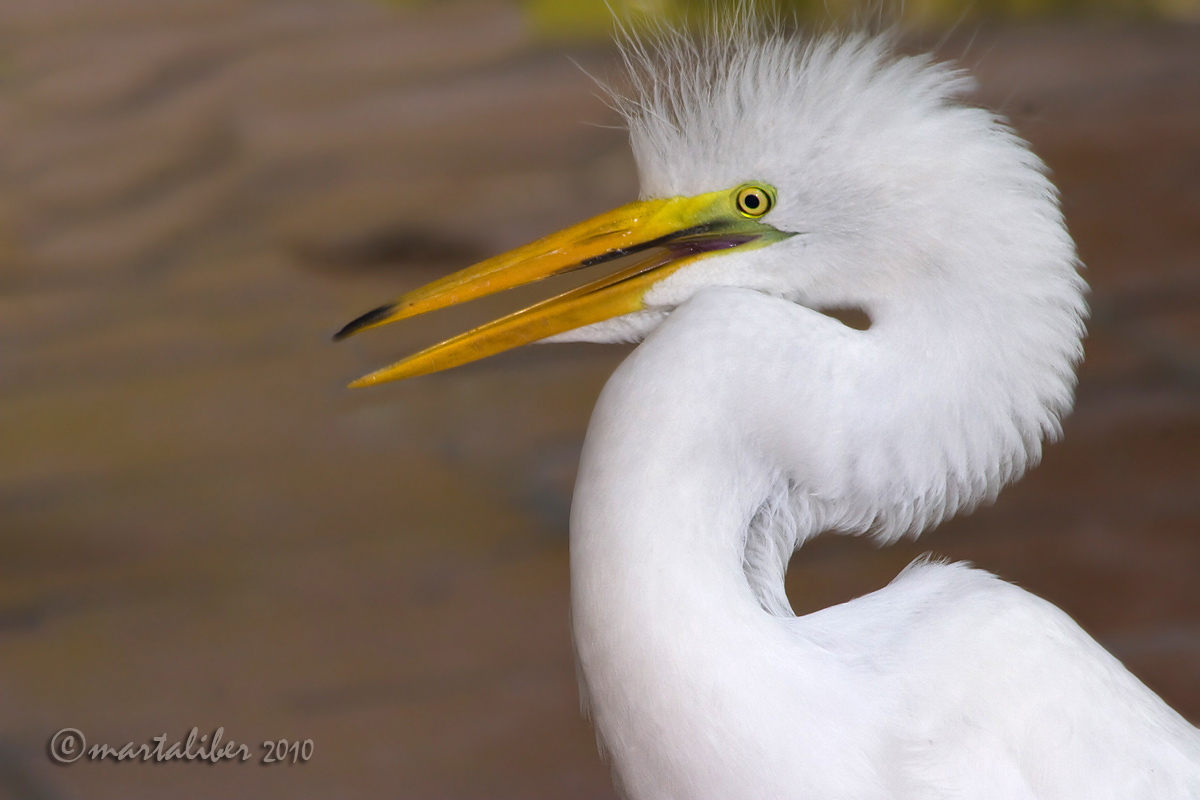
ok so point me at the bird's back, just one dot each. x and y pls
(992, 692)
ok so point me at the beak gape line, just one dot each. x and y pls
(659, 236)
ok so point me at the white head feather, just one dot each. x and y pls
(926, 212)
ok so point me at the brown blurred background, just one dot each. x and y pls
(199, 526)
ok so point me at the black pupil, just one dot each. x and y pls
(751, 201)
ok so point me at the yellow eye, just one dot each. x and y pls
(754, 201)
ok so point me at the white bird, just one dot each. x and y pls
(781, 176)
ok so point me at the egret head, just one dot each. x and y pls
(830, 171)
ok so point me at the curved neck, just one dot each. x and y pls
(670, 635)
(655, 460)
(662, 614)
(744, 425)
(685, 458)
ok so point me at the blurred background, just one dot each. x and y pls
(199, 525)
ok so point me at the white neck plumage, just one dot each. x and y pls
(686, 513)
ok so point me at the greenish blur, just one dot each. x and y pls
(594, 18)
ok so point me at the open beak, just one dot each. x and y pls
(658, 237)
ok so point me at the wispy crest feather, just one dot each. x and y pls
(689, 97)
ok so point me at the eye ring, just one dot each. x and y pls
(753, 200)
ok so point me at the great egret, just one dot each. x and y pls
(780, 176)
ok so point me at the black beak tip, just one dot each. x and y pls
(365, 321)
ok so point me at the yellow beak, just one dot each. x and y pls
(660, 235)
